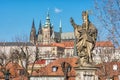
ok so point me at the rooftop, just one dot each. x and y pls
(111, 69)
(47, 71)
(16, 44)
(104, 44)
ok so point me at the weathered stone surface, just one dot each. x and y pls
(85, 35)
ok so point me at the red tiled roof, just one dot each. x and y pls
(58, 44)
(98, 44)
(104, 44)
(47, 71)
(71, 44)
(1, 74)
(13, 68)
(52, 45)
(20, 78)
(106, 69)
(68, 43)
(40, 61)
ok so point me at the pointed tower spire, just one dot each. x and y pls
(47, 23)
(40, 28)
(33, 33)
(60, 26)
(48, 17)
(60, 23)
(33, 25)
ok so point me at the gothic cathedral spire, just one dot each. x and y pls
(33, 33)
(60, 29)
(47, 23)
(40, 28)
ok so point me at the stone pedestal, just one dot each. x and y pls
(86, 73)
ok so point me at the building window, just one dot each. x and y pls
(115, 67)
(53, 49)
(54, 68)
(118, 77)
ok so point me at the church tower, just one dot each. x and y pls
(39, 35)
(40, 28)
(33, 34)
(47, 31)
(60, 29)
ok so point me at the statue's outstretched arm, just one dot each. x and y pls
(73, 23)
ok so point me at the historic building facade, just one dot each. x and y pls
(47, 35)
(53, 43)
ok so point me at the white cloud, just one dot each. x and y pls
(57, 10)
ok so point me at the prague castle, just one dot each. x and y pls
(51, 43)
(47, 35)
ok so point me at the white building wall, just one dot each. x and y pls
(45, 50)
(9, 49)
(46, 78)
(101, 54)
(69, 51)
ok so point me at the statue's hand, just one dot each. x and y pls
(71, 19)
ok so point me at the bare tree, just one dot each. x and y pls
(22, 52)
(23, 56)
(26, 55)
(4, 60)
(20, 38)
(108, 14)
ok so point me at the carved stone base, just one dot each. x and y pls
(86, 73)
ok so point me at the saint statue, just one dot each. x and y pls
(85, 36)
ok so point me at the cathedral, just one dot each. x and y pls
(47, 35)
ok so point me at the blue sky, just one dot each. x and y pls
(16, 16)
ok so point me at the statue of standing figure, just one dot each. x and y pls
(85, 35)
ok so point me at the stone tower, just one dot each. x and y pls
(39, 35)
(33, 34)
(60, 29)
(46, 34)
(47, 31)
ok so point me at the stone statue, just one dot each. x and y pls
(85, 35)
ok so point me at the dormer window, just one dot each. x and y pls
(118, 77)
(54, 68)
(115, 67)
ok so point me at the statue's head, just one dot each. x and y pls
(85, 16)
